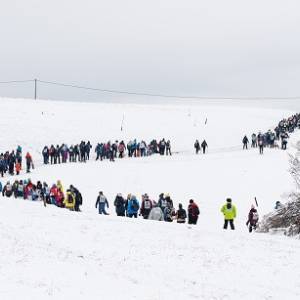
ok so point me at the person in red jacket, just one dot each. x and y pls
(29, 162)
(193, 212)
(18, 168)
(252, 219)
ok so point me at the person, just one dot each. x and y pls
(204, 146)
(78, 197)
(245, 142)
(254, 140)
(168, 213)
(168, 148)
(29, 162)
(18, 168)
(162, 202)
(146, 206)
(197, 146)
(229, 212)
(133, 207)
(7, 190)
(69, 201)
(261, 146)
(278, 205)
(119, 203)
(101, 203)
(180, 214)
(156, 214)
(252, 218)
(193, 212)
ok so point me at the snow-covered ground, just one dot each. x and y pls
(56, 254)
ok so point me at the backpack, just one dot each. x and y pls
(147, 204)
(255, 216)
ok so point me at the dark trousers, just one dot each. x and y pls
(193, 220)
(203, 149)
(245, 146)
(261, 149)
(230, 222)
(132, 215)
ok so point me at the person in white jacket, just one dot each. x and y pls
(156, 214)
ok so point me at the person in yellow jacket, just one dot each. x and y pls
(69, 201)
(229, 212)
(59, 185)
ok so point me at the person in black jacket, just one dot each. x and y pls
(245, 142)
(180, 214)
(204, 146)
(119, 203)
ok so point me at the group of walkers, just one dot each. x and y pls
(199, 146)
(134, 148)
(161, 210)
(27, 190)
(62, 154)
(270, 138)
(11, 162)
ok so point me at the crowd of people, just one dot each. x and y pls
(272, 137)
(62, 153)
(11, 162)
(134, 148)
(109, 150)
(54, 194)
(161, 210)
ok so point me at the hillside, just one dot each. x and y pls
(56, 254)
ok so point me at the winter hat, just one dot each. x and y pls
(228, 200)
(191, 201)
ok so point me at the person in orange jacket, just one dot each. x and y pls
(29, 162)
(18, 168)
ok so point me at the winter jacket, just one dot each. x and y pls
(193, 210)
(229, 211)
(252, 217)
(119, 203)
(181, 215)
(133, 206)
(156, 214)
(69, 201)
(101, 200)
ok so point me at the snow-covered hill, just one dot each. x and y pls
(56, 254)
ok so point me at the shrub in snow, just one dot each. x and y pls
(286, 219)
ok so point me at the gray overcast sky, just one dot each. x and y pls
(184, 47)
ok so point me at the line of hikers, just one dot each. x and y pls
(269, 138)
(134, 148)
(11, 162)
(27, 190)
(162, 210)
(198, 146)
(62, 154)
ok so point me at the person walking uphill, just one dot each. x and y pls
(229, 212)
(101, 203)
(193, 212)
(252, 218)
(133, 207)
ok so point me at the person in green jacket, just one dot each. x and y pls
(229, 212)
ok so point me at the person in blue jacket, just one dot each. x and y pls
(0, 187)
(133, 207)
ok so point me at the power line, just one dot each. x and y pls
(142, 93)
(16, 81)
(165, 95)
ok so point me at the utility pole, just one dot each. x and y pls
(35, 86)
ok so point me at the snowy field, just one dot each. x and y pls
(51, 253)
